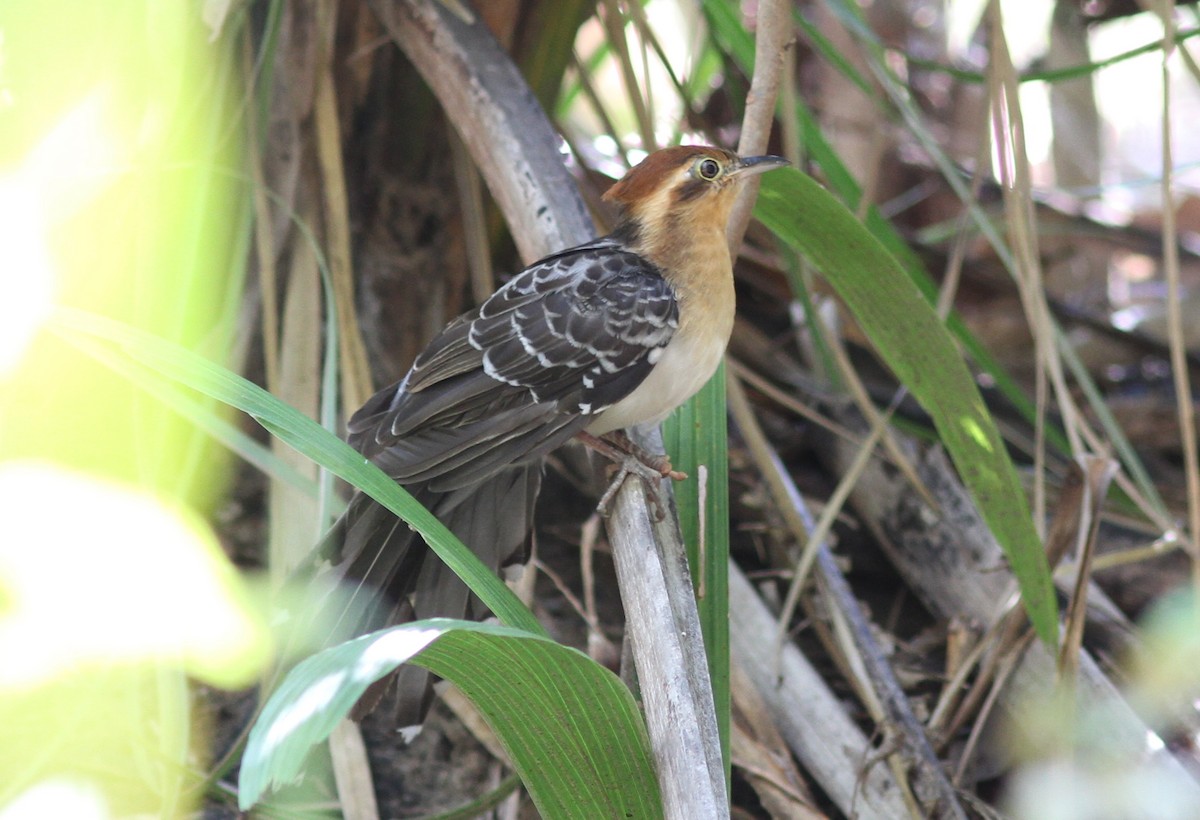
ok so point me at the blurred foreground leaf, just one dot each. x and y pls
(95, 574)
(109, 600)
(164, 360)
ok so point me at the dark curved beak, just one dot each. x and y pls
(759, 165)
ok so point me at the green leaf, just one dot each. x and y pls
(165, 360)
(911, 339)
(728, 29)
(204, 417)
(1054, 75)
(696, 437)
(570, 727)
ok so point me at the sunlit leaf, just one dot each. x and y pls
(908, 335)
(570, 727)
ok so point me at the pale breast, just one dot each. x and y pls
(686, 363)
(706, 311)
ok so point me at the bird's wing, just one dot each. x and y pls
(564, 340)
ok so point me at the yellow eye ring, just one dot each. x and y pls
(708, 169)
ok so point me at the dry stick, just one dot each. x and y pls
(516, 150)
(954, 565)
(1002, 646)
(614, 27)
(598, 107)
(809, 716)
(356, 373)
(936, 793)
(765, 776)
(672, 666)
(352, 772)
(1179, 368)
(1097, 475)
(789, 122)
(812, 535)
(937, 796)
(264, 239)
(588, 534)
(858, 391)
(1074, 525)
(637, 14)
(351, 769)
(564, 589)
(952, 694)
(789, 402)
(958, 251)
(758, 749)
(1075, 517)
(1122, 480)
(879, 432)
(1007, 668)
(1134, 555)
(1013, 172)
(474, 221)
(774, 37)
(473, 720)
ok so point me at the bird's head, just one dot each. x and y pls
(685, 187)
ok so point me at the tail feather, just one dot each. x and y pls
(371, 548)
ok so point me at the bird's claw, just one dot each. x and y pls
(650, 475)
(630, 459)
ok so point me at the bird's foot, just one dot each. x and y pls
(630, 459)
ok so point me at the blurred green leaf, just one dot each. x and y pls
(204, 418)
(1055, 75)
(570, 727)
(175, 363)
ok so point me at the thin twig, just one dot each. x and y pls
(810, 718)
(774, 36)
(614, 26)
(1179, 368)
(1097, 475)
(934, 791)
(474, 221)
(890, 704)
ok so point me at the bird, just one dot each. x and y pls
(615, 332)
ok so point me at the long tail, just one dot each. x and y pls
(373, 550)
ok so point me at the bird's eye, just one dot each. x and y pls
(708, 169)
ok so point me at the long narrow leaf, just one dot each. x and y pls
(908, 335)
(728, 28)
(696, 437)
(204, 417)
